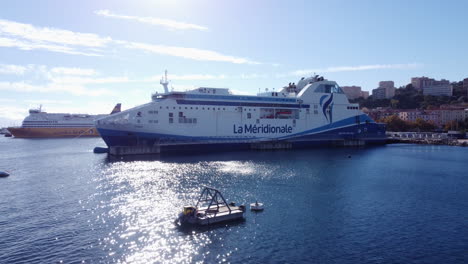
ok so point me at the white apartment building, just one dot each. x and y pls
(438, 117)
(386, 89)
(432, 87)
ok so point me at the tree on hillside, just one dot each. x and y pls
(452, 125)
(407, 97)
(424, 126)
(394, 123)
(457, 125)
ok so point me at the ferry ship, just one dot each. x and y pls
(314, 112)
(40, 124)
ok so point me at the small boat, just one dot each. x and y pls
(4, 174)
(210, 208)
(256, 206)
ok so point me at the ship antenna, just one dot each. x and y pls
(164, 82)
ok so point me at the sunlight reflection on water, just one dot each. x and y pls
(66, 204)
(143, 199)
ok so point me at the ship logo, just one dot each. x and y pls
(327, 107)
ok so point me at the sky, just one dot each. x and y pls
(86, 56)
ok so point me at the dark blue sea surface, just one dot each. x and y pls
(388, 204)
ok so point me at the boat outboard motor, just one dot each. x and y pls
(242, 207)
(187, 214)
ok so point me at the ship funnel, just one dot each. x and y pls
(116, 109)
(164, 82)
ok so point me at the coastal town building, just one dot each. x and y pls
(386, 90)
(380, 113)
(438, 117)
(431, 86)
(353, 92)
(413, 115)
(365, 94)
(419, 82)
(378, 93)
(387, 84)
(449, 115)
(439, 88)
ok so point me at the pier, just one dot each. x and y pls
(430, 138)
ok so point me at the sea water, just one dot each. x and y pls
(386, 204)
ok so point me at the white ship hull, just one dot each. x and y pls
(214, 117)
(39, 124)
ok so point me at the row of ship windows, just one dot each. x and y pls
(214, 108)
(182, 120)
(252, 98)
(38, 121)
(52, 125)
(224, 109)
(29, 125)
(185, 120)
(196, 108)
(208, 108)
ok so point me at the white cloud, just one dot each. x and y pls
(12, 69)
(24, 45)
(90, 107)
(47, 101)
(74, 80)
(73, 71)
(12, 113)
(357, 68)
(4, 100)
(253, 76)
(52, 87)
(198, 77)
(84, 80)
(29, 37)
(170, 24)
(188, 53)
(53, 35)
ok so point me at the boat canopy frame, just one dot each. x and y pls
(214, 197)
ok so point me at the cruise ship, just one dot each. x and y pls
(40, 124)
(314, 112)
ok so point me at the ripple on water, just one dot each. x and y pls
(383, 205)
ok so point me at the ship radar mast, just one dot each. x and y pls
(164, 82)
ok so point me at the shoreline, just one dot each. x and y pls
(448, 142)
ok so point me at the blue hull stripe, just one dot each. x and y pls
(242, 98)
(351, 121)
(344, 129)
(223, 103)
